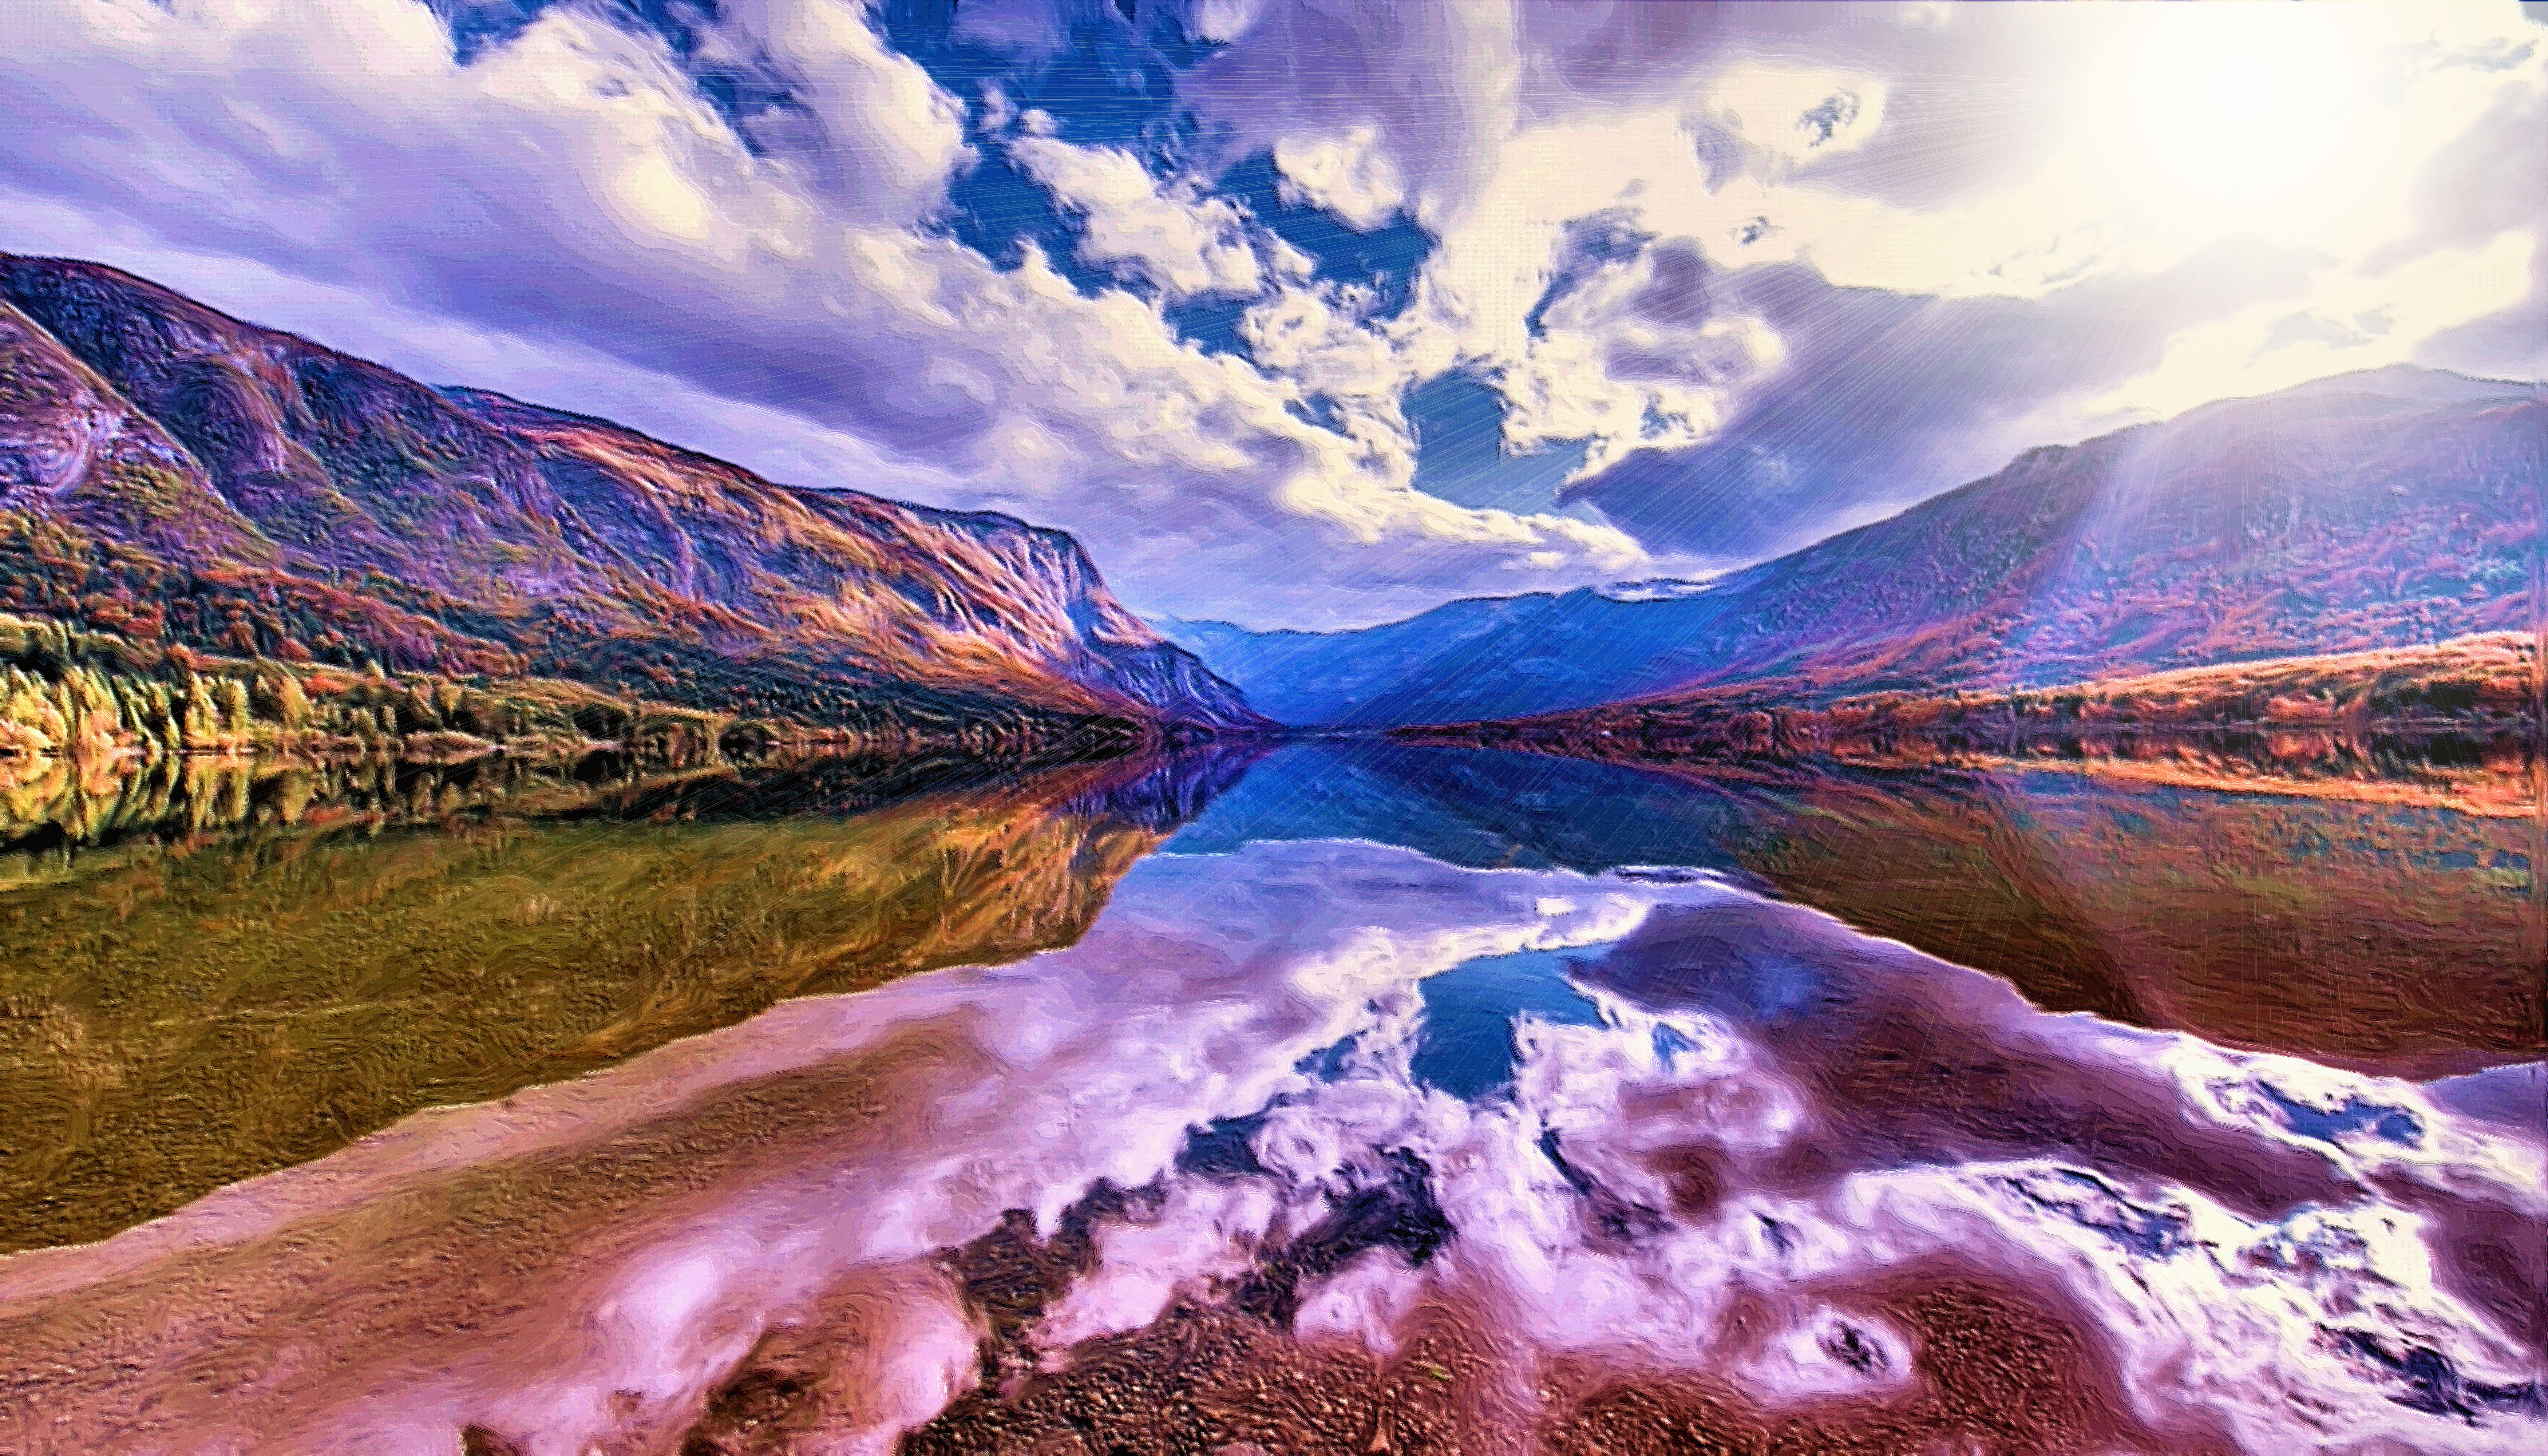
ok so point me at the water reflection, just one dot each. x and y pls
(1363, 1097)
(2383, 925)
(2388, 937)
(210, 971)
(1792, 1187)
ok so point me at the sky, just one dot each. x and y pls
(1317, 314)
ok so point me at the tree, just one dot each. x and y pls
(283, 691)
(202, 721)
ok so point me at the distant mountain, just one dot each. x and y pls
(2383, 508)
(176, 476)
(1440, 667)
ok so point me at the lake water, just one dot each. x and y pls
(1347, 1097)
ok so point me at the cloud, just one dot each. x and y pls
(573, 190)
(1634, 353)
(888, 136)
(1183, 244)
(2011, 256)
(1351, 175)
(1884, 398)
(1206, 285)
(1798, 116)
(1433, 83)
(2355, 321)
(2480, 187)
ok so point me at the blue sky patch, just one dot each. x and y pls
(1384, 260)
(480, 26)
(1459, 456)
(1212, 324)
(996, 209)
(2389, 1124)
(1103, 76)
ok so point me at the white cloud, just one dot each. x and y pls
(572, 195)
(900, 136)
(1436, 82)
(2305, 132)
(1797, 116)
(2302, 126)
(2352, 321)
(1185, 243)
(2081, 156)
(1225, 19)
(1350, 174)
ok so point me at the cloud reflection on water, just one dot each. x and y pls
(1772, 1108)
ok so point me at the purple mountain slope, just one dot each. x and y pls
(177, 475)
(2388, 509)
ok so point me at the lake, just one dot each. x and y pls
(1338, 1096)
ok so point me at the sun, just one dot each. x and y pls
(2236, 111)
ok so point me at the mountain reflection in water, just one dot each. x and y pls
(1362, 1097)
(252, 969)
(2381, 935)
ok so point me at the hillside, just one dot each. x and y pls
(2453, 725)
(2380, 509)
(178, 477)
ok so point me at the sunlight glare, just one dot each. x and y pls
(2240, 117)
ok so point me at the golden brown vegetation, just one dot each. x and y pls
(69, 692)
(178, 1013)
(2447, 725)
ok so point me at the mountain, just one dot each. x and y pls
(2385, 508)
(176, 476)
(1439, 666)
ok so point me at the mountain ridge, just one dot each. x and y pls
(2376, 509)
(173, 474)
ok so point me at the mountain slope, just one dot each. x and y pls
(1400, 672)
(2378, 509)
(174, 475)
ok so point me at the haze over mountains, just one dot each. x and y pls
(2383, 508)
(176, 476)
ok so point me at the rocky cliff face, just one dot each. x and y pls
(175, 475)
